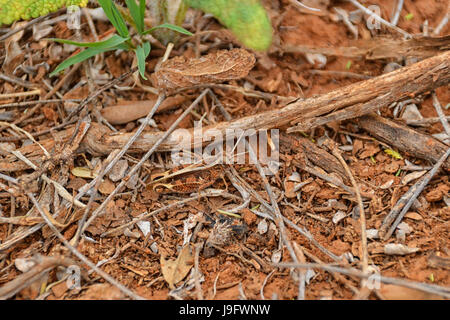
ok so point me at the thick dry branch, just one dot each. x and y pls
(381, 48)
(404, 138)
(362, 97)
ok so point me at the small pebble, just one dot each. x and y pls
(391, 67)
(262, 226)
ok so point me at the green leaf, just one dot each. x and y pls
(79, 57)
(115, 40)
(123, 46)
(171, 27)
(147, 48)
(142, 9)
(115, 17)
(142, 52)
(137, 14)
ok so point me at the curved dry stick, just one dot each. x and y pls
(400, 84)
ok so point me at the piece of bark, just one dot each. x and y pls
(400, 84)
(381, 48)
(406, 139)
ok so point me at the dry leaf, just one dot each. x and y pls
(387, 185)
(289, 187)
(83, 172)
(413, 215)
(398, 249)
(175, 270)
(370, 149)
(437, 193)
(127, 111)
(14, 54)
(339, 215)
(212, 68)
(372, 233)
(412, 176)
(106, 187)
(24, 264)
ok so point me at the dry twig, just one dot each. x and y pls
(431, 288)
(362, 216)
(442, 118)
(380, 19)
(398, 10)
(85, 260)
(443, 23)
(134, 169)
(405, 202)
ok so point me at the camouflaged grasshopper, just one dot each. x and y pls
(247, 19)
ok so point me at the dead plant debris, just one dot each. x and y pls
(166, 229)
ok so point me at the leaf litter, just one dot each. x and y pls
(175, 270)
(140, 255)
